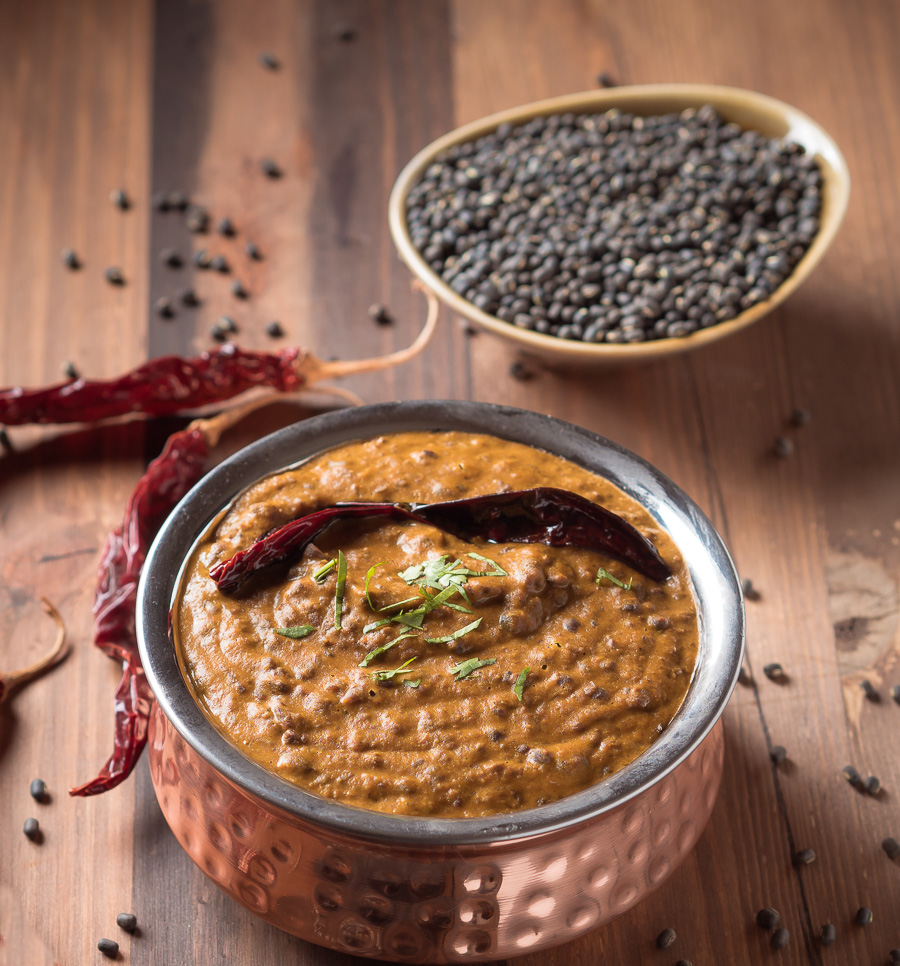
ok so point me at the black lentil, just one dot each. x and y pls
(520, 371)
(800, 417)
(238, 290)
(38, 790)
(225, 227)
(114, 276)
(252, 250)
(873, 785)
(269, 168)
(803, 857)
(775, 672)
(666, 938)
(869, 690)
(202, 258)
(127, 921)
(171, 258)
(780, 939)
(275, 330)
(189, 298)
(616, 228)
(378, 313)
(783, 447)
(268, 60)
(828, 934)
(197, 219)
(864, 916)
(750, 592)
(894, 955)
(778, 754)
(605, 79)
(218, 334)
(160, 201)
(32, 830)
(70, 370)
(108, 947)
(768, 918)
(120, 199)
(220, 264)
(891, 848)
(163, 308)
(895, 693)
(344, 32)
(178, 201)
(70, 259)
(852, 776)
(227, 324)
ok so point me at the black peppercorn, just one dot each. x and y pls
(768, 918)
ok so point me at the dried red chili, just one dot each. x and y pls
(171, 384)
(541, 515)
(11, 680)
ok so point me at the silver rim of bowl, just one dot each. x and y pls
(715, 583)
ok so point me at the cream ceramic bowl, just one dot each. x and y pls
(748, 109)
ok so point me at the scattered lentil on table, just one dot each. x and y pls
(869, 689)
(778, 754)
(163, 308)
(114, 275)
(768, 918)
(202, 258)
(864, 916)
(614, 227)
(378, 313)
(127, 921)
(38, 790)
(775, 672)
(120, 199)
(750, 592)
(873, 785)
(780, 938)
(188, 298)
(109, 948)
(238, 290)
(70, 371)
(220, 264)
(32, 829)
(226, 227)
(891, 848)
(666, 938)
(197, 219)
(270, 168)
(800, 417)
(70, 259)
(783, 447)
(268, 60)
(171, 258)
(275, 330)
(177, 201)
(252, 251)
(852, 776)
(803, 857)
(605, 79)
(828, 934)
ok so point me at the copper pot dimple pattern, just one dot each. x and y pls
(434, 904)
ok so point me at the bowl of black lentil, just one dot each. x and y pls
(625, 224)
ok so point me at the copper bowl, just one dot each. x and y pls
(423, 890)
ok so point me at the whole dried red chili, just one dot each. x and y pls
(541, 515)
(11, 680)
(171, 384)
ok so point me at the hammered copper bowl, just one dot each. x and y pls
(425, 890)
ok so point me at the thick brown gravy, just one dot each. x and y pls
(607, 666)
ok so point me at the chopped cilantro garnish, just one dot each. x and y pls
(384, 647)
(412, 684)
(304, 630)
(441, 573)
(519, 686)
(455, 635)
(473, 664)
(323, 571)
(339, 588)
(371, 571)
(601, 573)
(387, 675)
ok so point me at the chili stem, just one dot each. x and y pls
(18, 678)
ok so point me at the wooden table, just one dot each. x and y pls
(98, 95)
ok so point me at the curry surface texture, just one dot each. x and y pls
(607, 667)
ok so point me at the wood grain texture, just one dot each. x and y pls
(169, 96)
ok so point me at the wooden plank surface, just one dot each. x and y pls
(169, 96)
